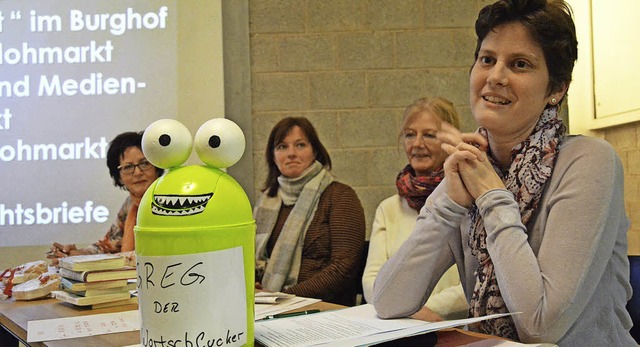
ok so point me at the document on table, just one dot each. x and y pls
(504, 343)
(107, 323)
(283, 303)
(272, 297)
(354, 326)
(82, 326)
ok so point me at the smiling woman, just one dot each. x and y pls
(510, 84)
(533, 218)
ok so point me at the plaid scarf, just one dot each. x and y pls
(281, 269)
(531, 166)
(416, 189)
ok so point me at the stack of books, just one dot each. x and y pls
(96, 280)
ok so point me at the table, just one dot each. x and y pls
(14, 316)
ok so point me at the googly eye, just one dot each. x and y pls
(166, 143)
(219, 143)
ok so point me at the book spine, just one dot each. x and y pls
(115, 290)
(66, 283)
(66, 297)
(74, 275)
(71, 300)
(64, 264)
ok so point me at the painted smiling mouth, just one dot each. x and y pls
(179, 205)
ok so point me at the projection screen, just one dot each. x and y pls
(73, 74)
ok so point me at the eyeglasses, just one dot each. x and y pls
(128, 169)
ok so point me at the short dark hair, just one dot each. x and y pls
(549, 23)
(116, 150)
(277, 135)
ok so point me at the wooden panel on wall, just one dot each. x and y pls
(616, 83)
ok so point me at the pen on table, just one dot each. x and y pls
(293, 314)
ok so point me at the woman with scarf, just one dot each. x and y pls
(396, 216)
(310, 228)
(534, 218)
(130, 171)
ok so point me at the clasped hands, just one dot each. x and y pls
(468, 172)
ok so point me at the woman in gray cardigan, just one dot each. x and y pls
(533, 218)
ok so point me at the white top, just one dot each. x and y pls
(393, 222)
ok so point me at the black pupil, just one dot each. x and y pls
(214, 141)
(164, 140)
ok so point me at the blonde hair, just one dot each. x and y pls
(438, 106)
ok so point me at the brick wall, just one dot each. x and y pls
(626, 140)
(352, 66)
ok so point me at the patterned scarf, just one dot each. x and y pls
(416, 189)
(531, 166)
(281, 269)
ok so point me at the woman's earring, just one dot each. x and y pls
(553, 101)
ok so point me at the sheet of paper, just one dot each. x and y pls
(81, 326)
(352, 326)
(503, 343)
(268, 300)
(272, 298)
(67, 328)
(411, 331)
(295, 302)
(273, 294)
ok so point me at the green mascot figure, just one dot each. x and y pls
(195, 240)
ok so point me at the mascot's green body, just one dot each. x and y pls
(195, 233)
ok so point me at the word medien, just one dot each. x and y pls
(87, 149)
(94, 84)
(63, 214)
(200, 340)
